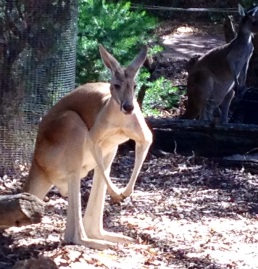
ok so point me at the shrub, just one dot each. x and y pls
(159, 96)
(248, 3)
(119, 29)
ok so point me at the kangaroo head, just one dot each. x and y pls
(122, 84)
(249, 22)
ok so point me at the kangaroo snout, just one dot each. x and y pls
(127, 108)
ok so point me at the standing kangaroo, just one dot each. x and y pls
(82, 132)
(212, 78)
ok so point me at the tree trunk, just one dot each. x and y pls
(20, 209)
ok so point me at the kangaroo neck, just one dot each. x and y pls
(245, 36)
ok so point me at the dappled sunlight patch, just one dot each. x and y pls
(181, 214)
(185, 29)
(228, 241)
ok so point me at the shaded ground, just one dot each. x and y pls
(185, 214)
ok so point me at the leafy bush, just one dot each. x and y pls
(160, 95)
(248, 3)
(119, 29)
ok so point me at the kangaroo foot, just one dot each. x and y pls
(114, 238)
(91, 243)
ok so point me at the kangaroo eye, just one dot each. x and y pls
(117, 87)
(134, 86)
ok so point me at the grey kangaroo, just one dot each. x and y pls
(212, 78)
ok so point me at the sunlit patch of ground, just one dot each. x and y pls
(183, 216)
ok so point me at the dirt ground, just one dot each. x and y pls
(185, 42)
(184, 213)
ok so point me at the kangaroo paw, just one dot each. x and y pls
(117, 196)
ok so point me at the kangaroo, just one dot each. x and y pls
(214, 75)
(82, 132)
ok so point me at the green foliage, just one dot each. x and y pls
(119, 29)
(160, 95)
(248, 3)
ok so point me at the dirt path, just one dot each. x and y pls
(184, 41)
(181, 42)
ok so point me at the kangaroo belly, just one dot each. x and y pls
(107, 146)
(88, 163)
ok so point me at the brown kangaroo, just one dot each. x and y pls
(212, 78)
(82, 132)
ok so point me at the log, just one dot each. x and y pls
(188, 137)
(250, 165)
(20, 209)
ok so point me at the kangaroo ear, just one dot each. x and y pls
(253, 12)
(138, 61)
(109, 60)
(241, 10)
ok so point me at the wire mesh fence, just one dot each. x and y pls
(37, 67)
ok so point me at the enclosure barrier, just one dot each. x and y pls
(37, 67)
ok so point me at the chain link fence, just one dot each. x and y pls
(37, 67)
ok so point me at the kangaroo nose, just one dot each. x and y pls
(127, 108)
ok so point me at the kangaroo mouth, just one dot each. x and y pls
(127, 112)
(127, 109)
